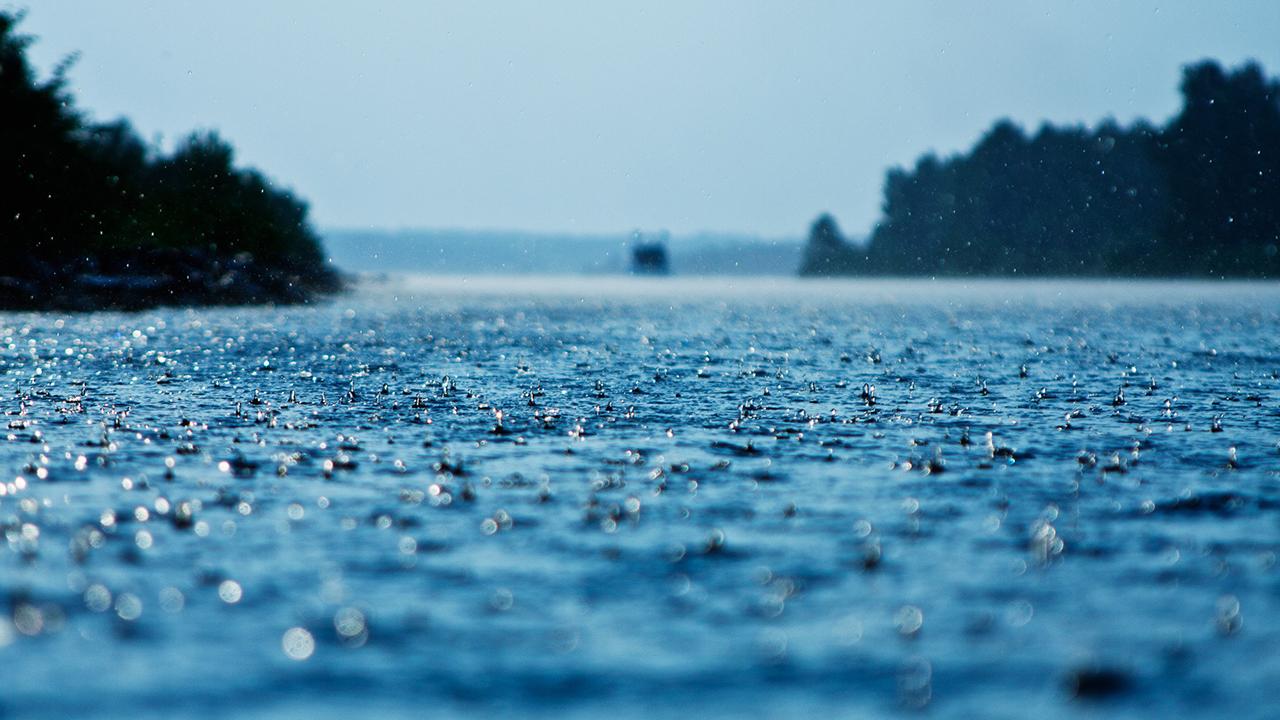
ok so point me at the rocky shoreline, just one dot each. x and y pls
(148, 278)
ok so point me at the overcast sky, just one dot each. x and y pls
(599, 116)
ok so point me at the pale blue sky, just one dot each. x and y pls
(599, 116)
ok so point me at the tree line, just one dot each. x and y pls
(1199, 196)
(84, 205)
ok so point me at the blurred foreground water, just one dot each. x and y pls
(563, 497)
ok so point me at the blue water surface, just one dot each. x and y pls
(566, 497)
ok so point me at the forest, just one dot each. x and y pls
(1196, 197)
(91, 216)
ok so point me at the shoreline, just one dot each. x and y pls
(151, 278)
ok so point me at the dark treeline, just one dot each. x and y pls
(1199, 196)
(91, 216)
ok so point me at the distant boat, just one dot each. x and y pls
(649, 257)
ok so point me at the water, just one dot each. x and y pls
(691, 504)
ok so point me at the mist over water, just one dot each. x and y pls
(509, 253)
(718, 497)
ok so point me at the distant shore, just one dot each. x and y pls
(1196, 196)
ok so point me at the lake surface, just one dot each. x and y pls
(701, 498)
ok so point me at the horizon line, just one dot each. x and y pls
(560, 234)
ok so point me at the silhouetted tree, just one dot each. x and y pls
(40, 158)
(827, 252)
(1201, 196)
(78, 198)
(1222, 158)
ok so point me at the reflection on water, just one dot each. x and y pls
(565, 496)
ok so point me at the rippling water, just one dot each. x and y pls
(701, 497)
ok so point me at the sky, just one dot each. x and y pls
(599, 117)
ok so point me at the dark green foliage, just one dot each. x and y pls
(201, 199)
(1222, 155)
(1198, 197)
(84, 200)
(826, 252)
(39, 156)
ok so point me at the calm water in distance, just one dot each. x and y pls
(571, 496)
